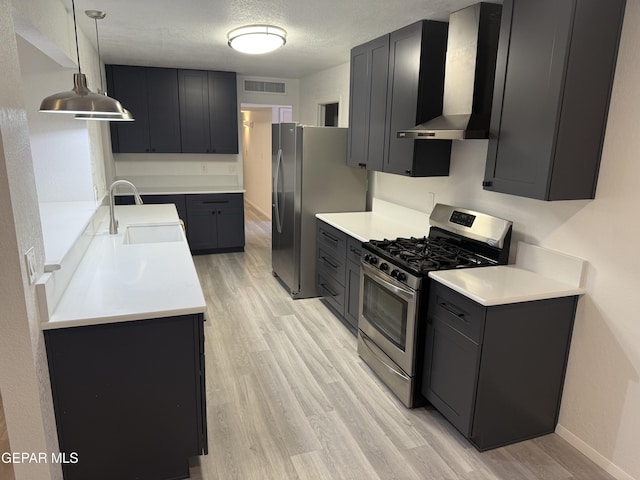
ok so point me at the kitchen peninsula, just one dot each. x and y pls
(125, 346)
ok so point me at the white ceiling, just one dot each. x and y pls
(192, 33)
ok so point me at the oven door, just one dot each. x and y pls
(388, 316)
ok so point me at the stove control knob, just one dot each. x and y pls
(367, 258)
(401, 276)
(373, 260)
(384, 267)
(394, 273)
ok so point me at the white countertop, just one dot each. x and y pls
(503, 285)
(385, 221)
(538, 274)
(118, 282)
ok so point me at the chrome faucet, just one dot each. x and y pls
(113, 223)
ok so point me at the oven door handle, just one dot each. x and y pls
(366, 341)
(407, 294)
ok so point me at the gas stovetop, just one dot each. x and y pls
(422, 255)
(458, 238)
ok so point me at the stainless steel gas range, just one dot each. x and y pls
(394, 285)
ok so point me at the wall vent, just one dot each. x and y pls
(264, 87)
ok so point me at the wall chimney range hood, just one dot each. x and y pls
(472, 48)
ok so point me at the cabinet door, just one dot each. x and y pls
(194, 111)
(556, 61)
(203, 231)
(367, 106)
(230, 227)
(129, 86)
(136, 395)
(535, 38)
(164, 111)
(414, 95)
(450, 373)
(223, 112)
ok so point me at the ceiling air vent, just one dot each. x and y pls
(264, 87)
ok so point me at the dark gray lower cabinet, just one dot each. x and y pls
(129, 397)
(496, 373)
(214, 222)
(338, 272)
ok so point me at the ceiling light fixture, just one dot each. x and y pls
(257, 39)
(80, 99)
(124, 117)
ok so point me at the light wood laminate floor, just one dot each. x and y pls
(289, 398)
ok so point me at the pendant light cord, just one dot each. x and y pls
(102, 90)
(75, 28)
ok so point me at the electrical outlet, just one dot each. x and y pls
(431, 200)
(30, 261)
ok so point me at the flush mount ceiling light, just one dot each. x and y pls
(80, 99)
(124, 117)
(257, 39)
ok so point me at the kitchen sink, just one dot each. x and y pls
(157, 233)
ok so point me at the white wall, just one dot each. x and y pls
(328, 86)
(24, 379)
(59, 144)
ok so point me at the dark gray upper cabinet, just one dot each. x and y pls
(151, 95)
(368, 104)
(208, 111)
(414, 95)
(554, 75)
(397, 81)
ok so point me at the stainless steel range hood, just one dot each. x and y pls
(472, 48)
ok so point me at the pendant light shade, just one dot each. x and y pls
(81, 100)
(125, 115)
(257, 39)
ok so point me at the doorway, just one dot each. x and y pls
(329, 114)
(256, 152)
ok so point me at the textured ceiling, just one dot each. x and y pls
(192, 33)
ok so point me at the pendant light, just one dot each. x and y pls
(257, 39)
(80, 99)
(124, 117)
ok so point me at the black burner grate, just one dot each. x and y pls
(426, 254)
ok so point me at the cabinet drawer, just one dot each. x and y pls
(332, 240)
(457, 311)
(331, 290)
(331, 266)
(354, 249)
(209, 200)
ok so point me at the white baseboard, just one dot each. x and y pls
(267, 216)
(593, 455)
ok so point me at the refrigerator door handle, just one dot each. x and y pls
(275, 191)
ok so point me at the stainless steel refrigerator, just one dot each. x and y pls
(310, 175)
